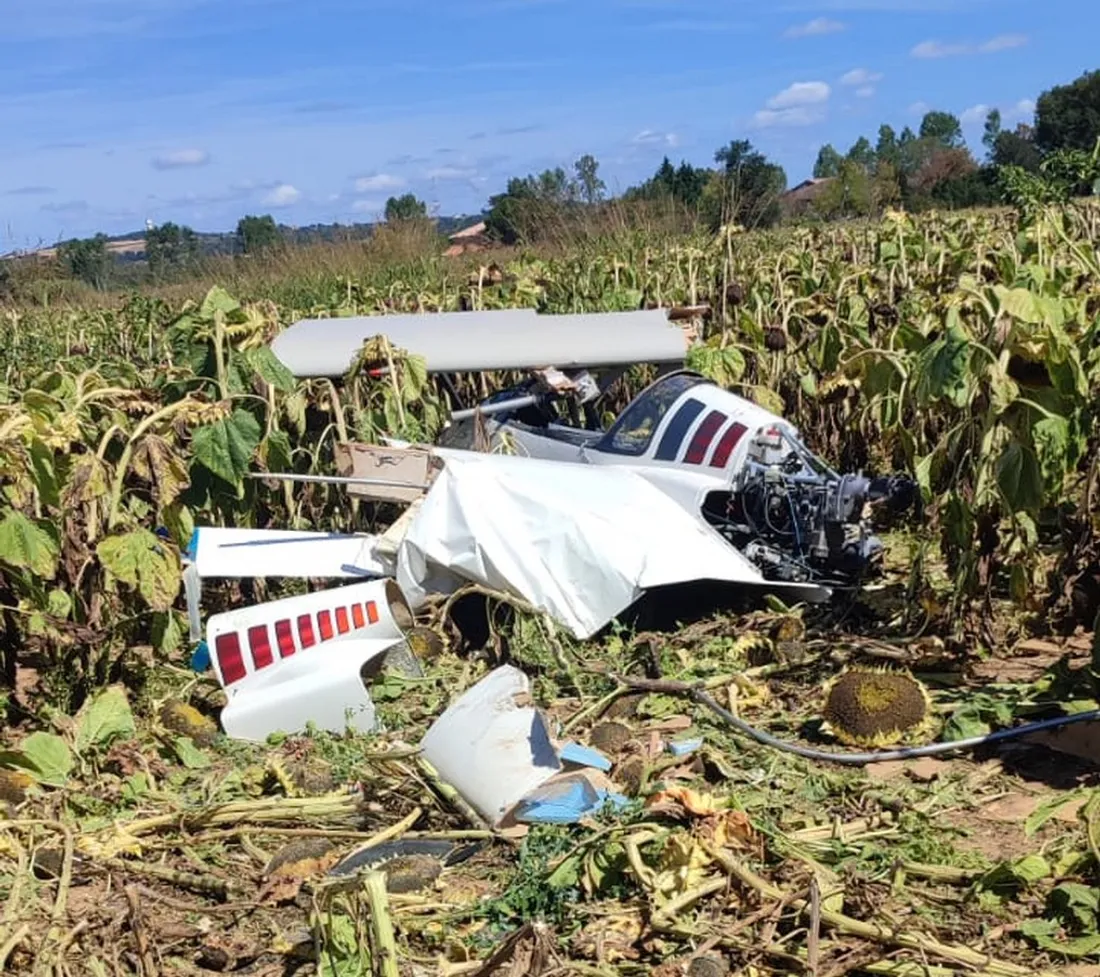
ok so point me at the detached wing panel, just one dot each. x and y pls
(506, 339)
(582, 543)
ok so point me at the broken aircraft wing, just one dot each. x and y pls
(503, 339)
(578, 542)
(581, 543)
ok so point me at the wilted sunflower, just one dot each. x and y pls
(874, 707)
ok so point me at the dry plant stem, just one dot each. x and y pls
(869, 931)
(384, 946)
(268, 809)
(137, 926)
(12, 942)
(938, 873)
(450, 795)
(338, 835)
(208, 885)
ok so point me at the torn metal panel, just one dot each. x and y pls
(582, 543)
(299, 660)
(503, 339)
(229, 554)
(492, 745)
(415, 465)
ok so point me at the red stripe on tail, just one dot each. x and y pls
(260, 644)
(228, 649)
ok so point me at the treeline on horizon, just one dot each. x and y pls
(1052, 159)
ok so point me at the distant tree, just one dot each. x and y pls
(529, 204)
(849, 195)
(587, 172)
(87, 260)
(1068, 116)
(942, 128)
(907, 136)
(941, 165)
(992, 131)
(886, 150)
(862, 154)
(976, 187)
(751, 186)
(685, 184)
(407, 207)
(689, 183)
(828, 162)
(257, 234)
(1017, 148)
(170, 246)
(885, 186)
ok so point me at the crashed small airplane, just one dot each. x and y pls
(690, 482)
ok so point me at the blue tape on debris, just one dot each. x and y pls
(200, 657)
(584, 756)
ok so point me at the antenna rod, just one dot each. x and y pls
(336, 480)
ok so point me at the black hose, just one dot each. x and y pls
(907, 753)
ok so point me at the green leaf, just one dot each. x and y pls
(27, 545)
(275, 451)
(59, 604)
(1031, 868)
(226, 448)
(45, 474)
(104, 719)
(947, 368)
(218, 300)
(268, 366)
(1019, 478)
(49, 758)
(139, 559)
(190, 755)
(567, 875)
(1020, 304)
(167, 633)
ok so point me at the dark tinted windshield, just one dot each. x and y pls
(633, 431)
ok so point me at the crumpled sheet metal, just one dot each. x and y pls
(581, 543)
(496, 749)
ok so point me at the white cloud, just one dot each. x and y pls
(799, 94)
(379, 181)
(815, 28)
(867, 91)
(367, 207)
(974, 114)
(860, 77)
(1003, 42)
(1023, 109)
(785, 118)
(650, 137)
(937, 49)
(919, 108)
(284, 195)
(181, 158)
(450, 173)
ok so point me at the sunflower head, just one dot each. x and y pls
(874, 707)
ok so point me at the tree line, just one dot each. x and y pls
(1052, 158)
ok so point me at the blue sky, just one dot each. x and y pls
(196, 111)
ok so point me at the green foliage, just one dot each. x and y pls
(943, 129)
(1068, 116)
(828, 162)
(255, 235)
(405, 208)
(170, 247)
(87, 260)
